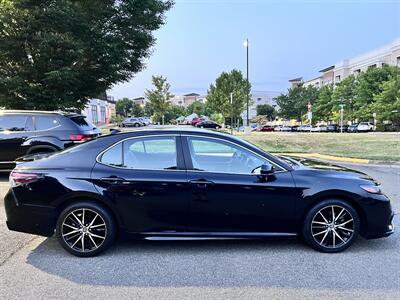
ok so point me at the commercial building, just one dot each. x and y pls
(387, 55)
(100, 110)
(260, 98)
(188, 99)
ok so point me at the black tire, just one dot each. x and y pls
(108, 230)
(137, 125)
(330, 232)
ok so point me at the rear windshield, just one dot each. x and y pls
(83, 122)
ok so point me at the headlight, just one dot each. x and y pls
(373, 189)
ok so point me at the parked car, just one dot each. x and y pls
(174, 183)
(33, 132)
(319, 128)
(208, 124)
(264, 128)
(365, 127)
(286, 128)
(132, 122)
(351, 128)
(197, 120)
(278, 128)
(145, 121)
(304, 128)
(345, 128)
(332, 128)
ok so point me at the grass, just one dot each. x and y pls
(373, 146)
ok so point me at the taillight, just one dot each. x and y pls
(373, 189)
(79, 138)
(17, 178)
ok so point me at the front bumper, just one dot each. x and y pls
(379, 217)
(32, 219)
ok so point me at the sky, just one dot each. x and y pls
(287, 39)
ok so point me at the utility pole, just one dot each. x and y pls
(246, 44)
(232, 113)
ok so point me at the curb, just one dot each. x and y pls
(329, 157)
(344, 159)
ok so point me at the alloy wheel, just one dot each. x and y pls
(332, 226)
(84, 230)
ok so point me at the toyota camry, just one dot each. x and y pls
(190, 183)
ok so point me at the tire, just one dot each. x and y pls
(137, 125)
(326, 236)
(96, 239)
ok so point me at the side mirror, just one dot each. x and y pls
(267, 169)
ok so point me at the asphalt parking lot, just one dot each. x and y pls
(35, 267)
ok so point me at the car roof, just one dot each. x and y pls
(39, 112)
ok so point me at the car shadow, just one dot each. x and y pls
(226, 263)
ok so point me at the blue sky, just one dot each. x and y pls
(203, 38)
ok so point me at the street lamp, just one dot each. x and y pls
(246, 45)
(341, 117)
(232, 113)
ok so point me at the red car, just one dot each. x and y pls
(196, 120)
(265, 128)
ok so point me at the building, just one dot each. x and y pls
(260, 98)
(100, 111)
(386, 55)
(188, 99)
(141, 101)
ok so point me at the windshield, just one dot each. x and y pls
(83, 122)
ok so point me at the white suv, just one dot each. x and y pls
(365, 127)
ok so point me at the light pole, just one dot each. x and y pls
(232, 113)
(341, 117)
(246, 44)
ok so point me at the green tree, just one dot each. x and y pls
(370, 84)
(325, 107)
(218, 97)
(159, 97)
(387, 103)
(123, 107)
(345, 92)
(266, 110)
(173, 112)
(293, 105)
(137, 110)
(148, 110)
(196, 108)
(56, 54)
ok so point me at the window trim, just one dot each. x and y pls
(183, 156)
(179, 154)
(188, 158)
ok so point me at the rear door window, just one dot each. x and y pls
(13, 123)
(46, 122)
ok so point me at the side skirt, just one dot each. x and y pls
(211, 235)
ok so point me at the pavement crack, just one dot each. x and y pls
(17, 250)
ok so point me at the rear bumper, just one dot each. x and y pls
(32, 219)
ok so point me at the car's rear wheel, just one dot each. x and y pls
(331, 226)
(137, 125)
(85, 229)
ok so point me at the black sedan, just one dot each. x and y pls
(177, 183)
(208, 124)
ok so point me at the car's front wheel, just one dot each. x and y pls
(331, 226)
(85, 229)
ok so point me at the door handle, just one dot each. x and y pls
(201, 183)
(113, 179)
